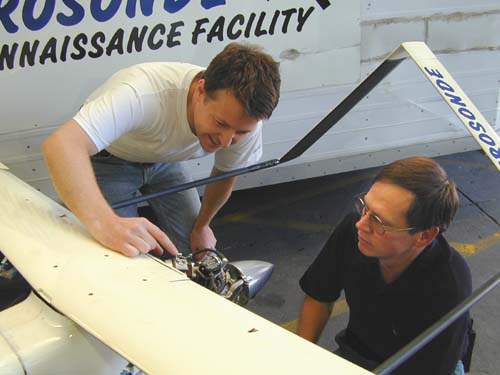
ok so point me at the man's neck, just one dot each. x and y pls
(391, 269)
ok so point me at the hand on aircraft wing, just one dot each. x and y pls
(131, 236)
(202, 238)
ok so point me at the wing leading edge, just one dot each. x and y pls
(147, 312)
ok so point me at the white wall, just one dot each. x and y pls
(321, 63)
(36, 99)
(404, 115)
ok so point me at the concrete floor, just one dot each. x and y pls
(287, 225)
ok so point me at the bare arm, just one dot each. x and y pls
(67, 154)
(216, 195)
(313, 318)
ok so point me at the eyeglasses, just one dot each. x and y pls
(376, 223)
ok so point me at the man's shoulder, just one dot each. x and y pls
(448, 255)
(447, 268)
(343, 240)
(158, 66)
(346, 229)
(156, 75)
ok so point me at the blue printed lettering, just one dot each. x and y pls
(29, 18)
(103, 15)
(457, 100)
(173, 6)
(146, 7)
(466, 113)
(483, 137)
(477, 126)
(444, 86)
(100, 10)
(75, 18)
(495, 152)
(433, 72)
(5, 12)
(208, 4)
(486, 139)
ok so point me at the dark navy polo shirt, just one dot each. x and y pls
(384, 317)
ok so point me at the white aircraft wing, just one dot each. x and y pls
(144, 310)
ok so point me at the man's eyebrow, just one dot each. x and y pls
(222, 122)
(375, 214)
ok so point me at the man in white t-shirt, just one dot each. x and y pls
(133, 132)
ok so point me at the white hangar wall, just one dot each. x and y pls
(324, 54)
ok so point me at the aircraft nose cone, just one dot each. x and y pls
(257, 273)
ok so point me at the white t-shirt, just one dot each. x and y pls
(140, 115)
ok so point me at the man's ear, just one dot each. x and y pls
(200, 86)
(425, 237)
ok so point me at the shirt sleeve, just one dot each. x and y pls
(111, 114)
(242, 154)
(323, 279)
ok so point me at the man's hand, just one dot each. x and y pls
(202, 238)
(131, 236)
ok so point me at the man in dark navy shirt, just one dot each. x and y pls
(398, 273)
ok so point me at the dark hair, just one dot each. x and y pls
(436, 199)
(251, 75)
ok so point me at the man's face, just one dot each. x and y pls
(389, 203)
(219, 121)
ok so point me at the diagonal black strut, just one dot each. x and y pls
(305, 143)
(340, 110)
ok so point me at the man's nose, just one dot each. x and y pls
(227, 137)
(364, 223)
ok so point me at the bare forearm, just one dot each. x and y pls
(67, 154)
(313, 317)
(68, 162)
(216, 195)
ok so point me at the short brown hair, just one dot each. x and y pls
(251, 75)
(436, 198)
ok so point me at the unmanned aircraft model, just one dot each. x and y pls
(93, 311)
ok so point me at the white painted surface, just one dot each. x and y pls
(335, 50)
(146, 311)
(9, 364)
(456, 99)
(378, 9)
(46, 342)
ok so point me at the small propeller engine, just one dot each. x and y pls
(237, 281)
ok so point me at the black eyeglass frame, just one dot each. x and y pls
(376, 223)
